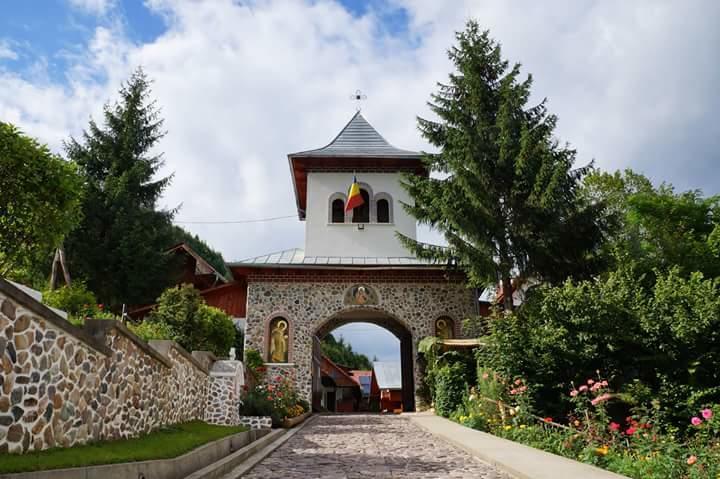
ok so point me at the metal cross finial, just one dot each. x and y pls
(358, 96)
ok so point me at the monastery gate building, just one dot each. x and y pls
(353, 268)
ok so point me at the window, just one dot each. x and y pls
(383, 211)
(338, 211)
(361, 214)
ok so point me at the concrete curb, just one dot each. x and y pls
(223, 466)
(253, 460)
(518, 460)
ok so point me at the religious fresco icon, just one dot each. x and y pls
(361, 295)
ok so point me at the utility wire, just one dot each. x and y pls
(259, 220)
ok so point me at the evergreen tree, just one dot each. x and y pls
(506, 196)
(342, 353)
(118, 247)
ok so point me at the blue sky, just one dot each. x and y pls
(242, 83)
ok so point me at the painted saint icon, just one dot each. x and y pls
(443, 328)
(279, 341)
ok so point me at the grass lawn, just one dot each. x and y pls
(168, 442)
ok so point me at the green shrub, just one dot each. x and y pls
(148, 331)
(219, 331)
(664, 336)
(76, 300)
(450, 387)
(193, 324)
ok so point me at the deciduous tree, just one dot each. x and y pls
(39, 204)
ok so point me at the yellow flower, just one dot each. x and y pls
(602, 450)
(522, 426)
(507, 428)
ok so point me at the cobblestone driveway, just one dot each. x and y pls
(361, 446)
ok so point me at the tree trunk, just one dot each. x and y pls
(507, 293)
(59, 259)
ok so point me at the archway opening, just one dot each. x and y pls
(387, 386)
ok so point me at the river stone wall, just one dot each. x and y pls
(61, 385)
(314, 306)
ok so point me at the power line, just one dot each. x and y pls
(228, 222)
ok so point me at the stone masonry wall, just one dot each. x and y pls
(61, 386)
(310, 305)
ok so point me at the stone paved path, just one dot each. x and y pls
(362, 446)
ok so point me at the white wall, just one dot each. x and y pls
(323, 238)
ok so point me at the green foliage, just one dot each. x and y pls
(657, 228)
(253, 359)
(148, 331)
(164, 443)
(118, 247)
(507, 199)
(213, 257)
(39, 205)
(194, 325)
(450, 387)
(76, 300)
(342, 353)
(218, 331)
(665, 337)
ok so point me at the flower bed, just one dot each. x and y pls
(276, 399)
(637, 445)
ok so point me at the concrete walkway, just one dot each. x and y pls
(519, 460)
(365, 445)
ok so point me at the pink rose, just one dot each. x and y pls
(600, 398)
(573, 393)
(614, 426)
(518, 382)
(583, 388)
(631, 430)
(707, 413)
(590, 382)
(604, 383)
(696, 421)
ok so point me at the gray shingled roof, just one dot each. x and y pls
(359, 139)
(296, 256)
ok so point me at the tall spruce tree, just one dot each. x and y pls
(505, 194)
(118, 247)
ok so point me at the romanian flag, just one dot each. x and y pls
(355, 199)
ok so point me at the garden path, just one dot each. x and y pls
(367, 445)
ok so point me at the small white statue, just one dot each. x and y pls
(232, 354)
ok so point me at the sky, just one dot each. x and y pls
(243, 83)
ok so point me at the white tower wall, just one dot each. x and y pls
(323, 238)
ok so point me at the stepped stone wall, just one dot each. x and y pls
(61, 385)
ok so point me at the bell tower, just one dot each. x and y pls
(321, 179)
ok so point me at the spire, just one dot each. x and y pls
(359, 139)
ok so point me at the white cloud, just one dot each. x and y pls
(241, 85)
(95, 7)
(6, 52)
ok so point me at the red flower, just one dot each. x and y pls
(614, 426)
(631, 430)
(100, 306)
(548, 419)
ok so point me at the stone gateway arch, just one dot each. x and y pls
(353, 267)
(314, 303)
